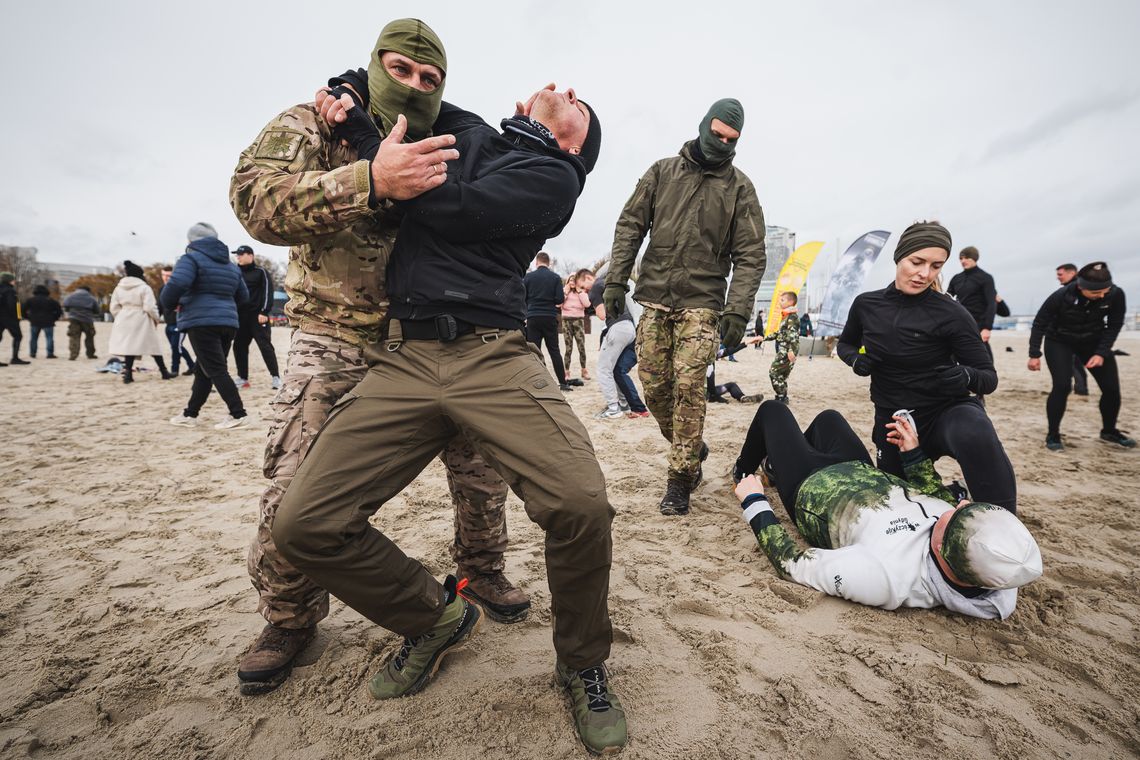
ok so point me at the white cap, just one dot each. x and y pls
(988, 546)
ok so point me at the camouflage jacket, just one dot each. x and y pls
(870, 538)
(787, 336)
(297, 186)
(703, 224)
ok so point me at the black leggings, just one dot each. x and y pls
(960, 430)
(1060, 357)
(545, 329)
(793, 455)
(211, 345)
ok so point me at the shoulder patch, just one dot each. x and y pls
(279, 145)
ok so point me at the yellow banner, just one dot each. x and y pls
(792, 278)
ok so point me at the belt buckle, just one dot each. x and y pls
(447, 329)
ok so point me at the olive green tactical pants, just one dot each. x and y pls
(495, 390)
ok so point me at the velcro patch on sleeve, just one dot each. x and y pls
(279, 145)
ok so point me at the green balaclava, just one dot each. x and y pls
(731, 113)
(388, 98)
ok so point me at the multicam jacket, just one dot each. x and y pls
(703, 223)
(787, 336)
(297, 186)
(870, 534)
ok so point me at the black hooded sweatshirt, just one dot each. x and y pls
(464, 247)
(974, 288)
(910, 340)
(1070, 318)
(42, 310)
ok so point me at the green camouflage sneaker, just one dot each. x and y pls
(419, 658)
(597, 711)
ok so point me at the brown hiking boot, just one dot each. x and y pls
(498, 597)
(270, 660)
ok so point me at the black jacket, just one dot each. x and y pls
(260, 286)
(42, 311)
(543, 293)
(1069, 317)
(974, 289)
(910, 340)
(9, 303)
(464, 247)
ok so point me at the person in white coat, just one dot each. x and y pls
(135, 330)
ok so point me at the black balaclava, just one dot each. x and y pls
(731, 113)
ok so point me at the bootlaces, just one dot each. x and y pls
(405, 650)
(597, 695)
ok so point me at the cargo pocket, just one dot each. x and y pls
(283, 444)
(557, 418)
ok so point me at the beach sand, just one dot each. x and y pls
(125, 603)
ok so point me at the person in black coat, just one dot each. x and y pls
(1080, 321)
(42, 312)
(10, 316)
(544, 294)
(253, 319)
(974, 288)
(923, 354)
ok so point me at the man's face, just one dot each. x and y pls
(244, 259)
(586, 281)
(723, 132)
(421, 76)
(1065, 276)
(1094, 295)
(562, 114)
(165, 276)
(967, 262)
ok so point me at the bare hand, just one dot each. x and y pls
(404, 170)
(1096, 361)
(791, 358)
(1034, 364)
(901, 434)
(262, 319)
(985, 336)
(748, 486)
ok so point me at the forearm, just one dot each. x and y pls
(919, 472)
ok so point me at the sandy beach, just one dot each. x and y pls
(125, 603)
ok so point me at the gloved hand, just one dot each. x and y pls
(732, 329)
(613, 298)
(956, 379)
(358, 129)
(863, 365)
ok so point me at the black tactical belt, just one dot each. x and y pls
(444, 328)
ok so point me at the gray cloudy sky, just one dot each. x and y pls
(1014, 123)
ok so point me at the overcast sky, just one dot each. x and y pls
(1014, 123)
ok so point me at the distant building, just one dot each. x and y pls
(779, 242)
(65, 274)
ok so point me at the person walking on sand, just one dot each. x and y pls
(134, 333)
(42, 312)
(253, 319)
(207, 287)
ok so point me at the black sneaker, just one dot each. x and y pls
(767, 474)
(1053, 442)
(565, 387)
(738, 472)
(676, 499)
(1118, 437)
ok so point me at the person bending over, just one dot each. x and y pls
(874, 538)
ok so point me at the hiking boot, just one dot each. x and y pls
(597, 711)
(499, 598)
(270, 660)
(1053, 442)
(1118, 437)
(419, 657)
(676, 499)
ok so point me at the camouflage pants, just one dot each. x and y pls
(674, 349)
(778, 374)
(320, 370)
(573, 330)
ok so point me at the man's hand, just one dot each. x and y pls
(863, 365)
(985, 336)
(1034, 364)
(332, 109)
(1096, 361)
(901, 434)
(613, 299)
(731, 329)
(791, 357)
(956, 379)
(404, 170)
(748, 486)
(262, 319)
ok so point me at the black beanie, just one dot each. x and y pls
(593, 143)
(922, 235)
(133, 270)
(1094, 276)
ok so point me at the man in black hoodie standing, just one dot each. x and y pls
(455, 361)
(543, 295)
(974, 288)
(253, 319)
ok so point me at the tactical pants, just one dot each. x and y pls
(320, 370)
(573, 330)
(417, 396)
(779, 372)
(674, 348)
(77, 329)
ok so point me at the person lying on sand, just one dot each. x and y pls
(877, 539)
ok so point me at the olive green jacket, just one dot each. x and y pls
(702, 225)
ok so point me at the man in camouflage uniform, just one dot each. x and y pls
(787, 338)
(704, 221)
(297, 185)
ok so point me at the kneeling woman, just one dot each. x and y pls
(878, 540)
(923, 353)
